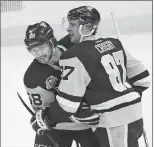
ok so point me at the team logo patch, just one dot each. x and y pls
(51, 82)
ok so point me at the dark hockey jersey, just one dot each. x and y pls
(40, 81)
(107, 77)
(66, 42)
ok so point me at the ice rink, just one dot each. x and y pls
(15, 128)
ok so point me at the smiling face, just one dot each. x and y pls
(42, 53)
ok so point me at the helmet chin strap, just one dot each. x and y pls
(82, 36)
(51, 59)
(54, 50)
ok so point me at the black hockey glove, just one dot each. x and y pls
(40, 122)
(85, 115)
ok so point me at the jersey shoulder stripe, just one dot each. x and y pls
(62, 47)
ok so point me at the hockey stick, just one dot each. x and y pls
(145, 138)
(29, 110)
(32, 113)
(118, 36)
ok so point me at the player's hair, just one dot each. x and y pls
(85, 15)
(38, 34)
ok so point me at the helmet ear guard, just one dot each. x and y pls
(53, 41)
(81, 21)
(85, 15)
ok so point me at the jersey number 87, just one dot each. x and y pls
(110, 63)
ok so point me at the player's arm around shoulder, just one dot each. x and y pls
(65, 41)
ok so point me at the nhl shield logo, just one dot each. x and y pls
(51, 82)
(31, 34)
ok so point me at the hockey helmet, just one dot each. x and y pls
(38, 34)
(85, 15)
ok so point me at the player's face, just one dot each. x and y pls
(42, 53)
(73, 31)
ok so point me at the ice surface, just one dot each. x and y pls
(15, 128)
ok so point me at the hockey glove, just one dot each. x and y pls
(85, 115)
(40, 122)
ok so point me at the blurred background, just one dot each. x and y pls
(134, 19)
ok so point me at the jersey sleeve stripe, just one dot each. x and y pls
(140, 76)
(119, 100)
(62, 47)
(93, 117)
(139, 89)
(71, 126)
(143, 82)
(133, 66)
(122, 105)
(68, 105)
(135, 70)
(94, 120)
(69, 97)
(121, 116)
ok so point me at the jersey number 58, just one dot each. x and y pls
(35, 99)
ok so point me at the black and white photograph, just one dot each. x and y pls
(76, 73)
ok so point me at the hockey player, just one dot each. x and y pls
(41, 80)
(106, 76)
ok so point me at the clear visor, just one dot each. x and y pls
(68, 23)
(65, 23)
